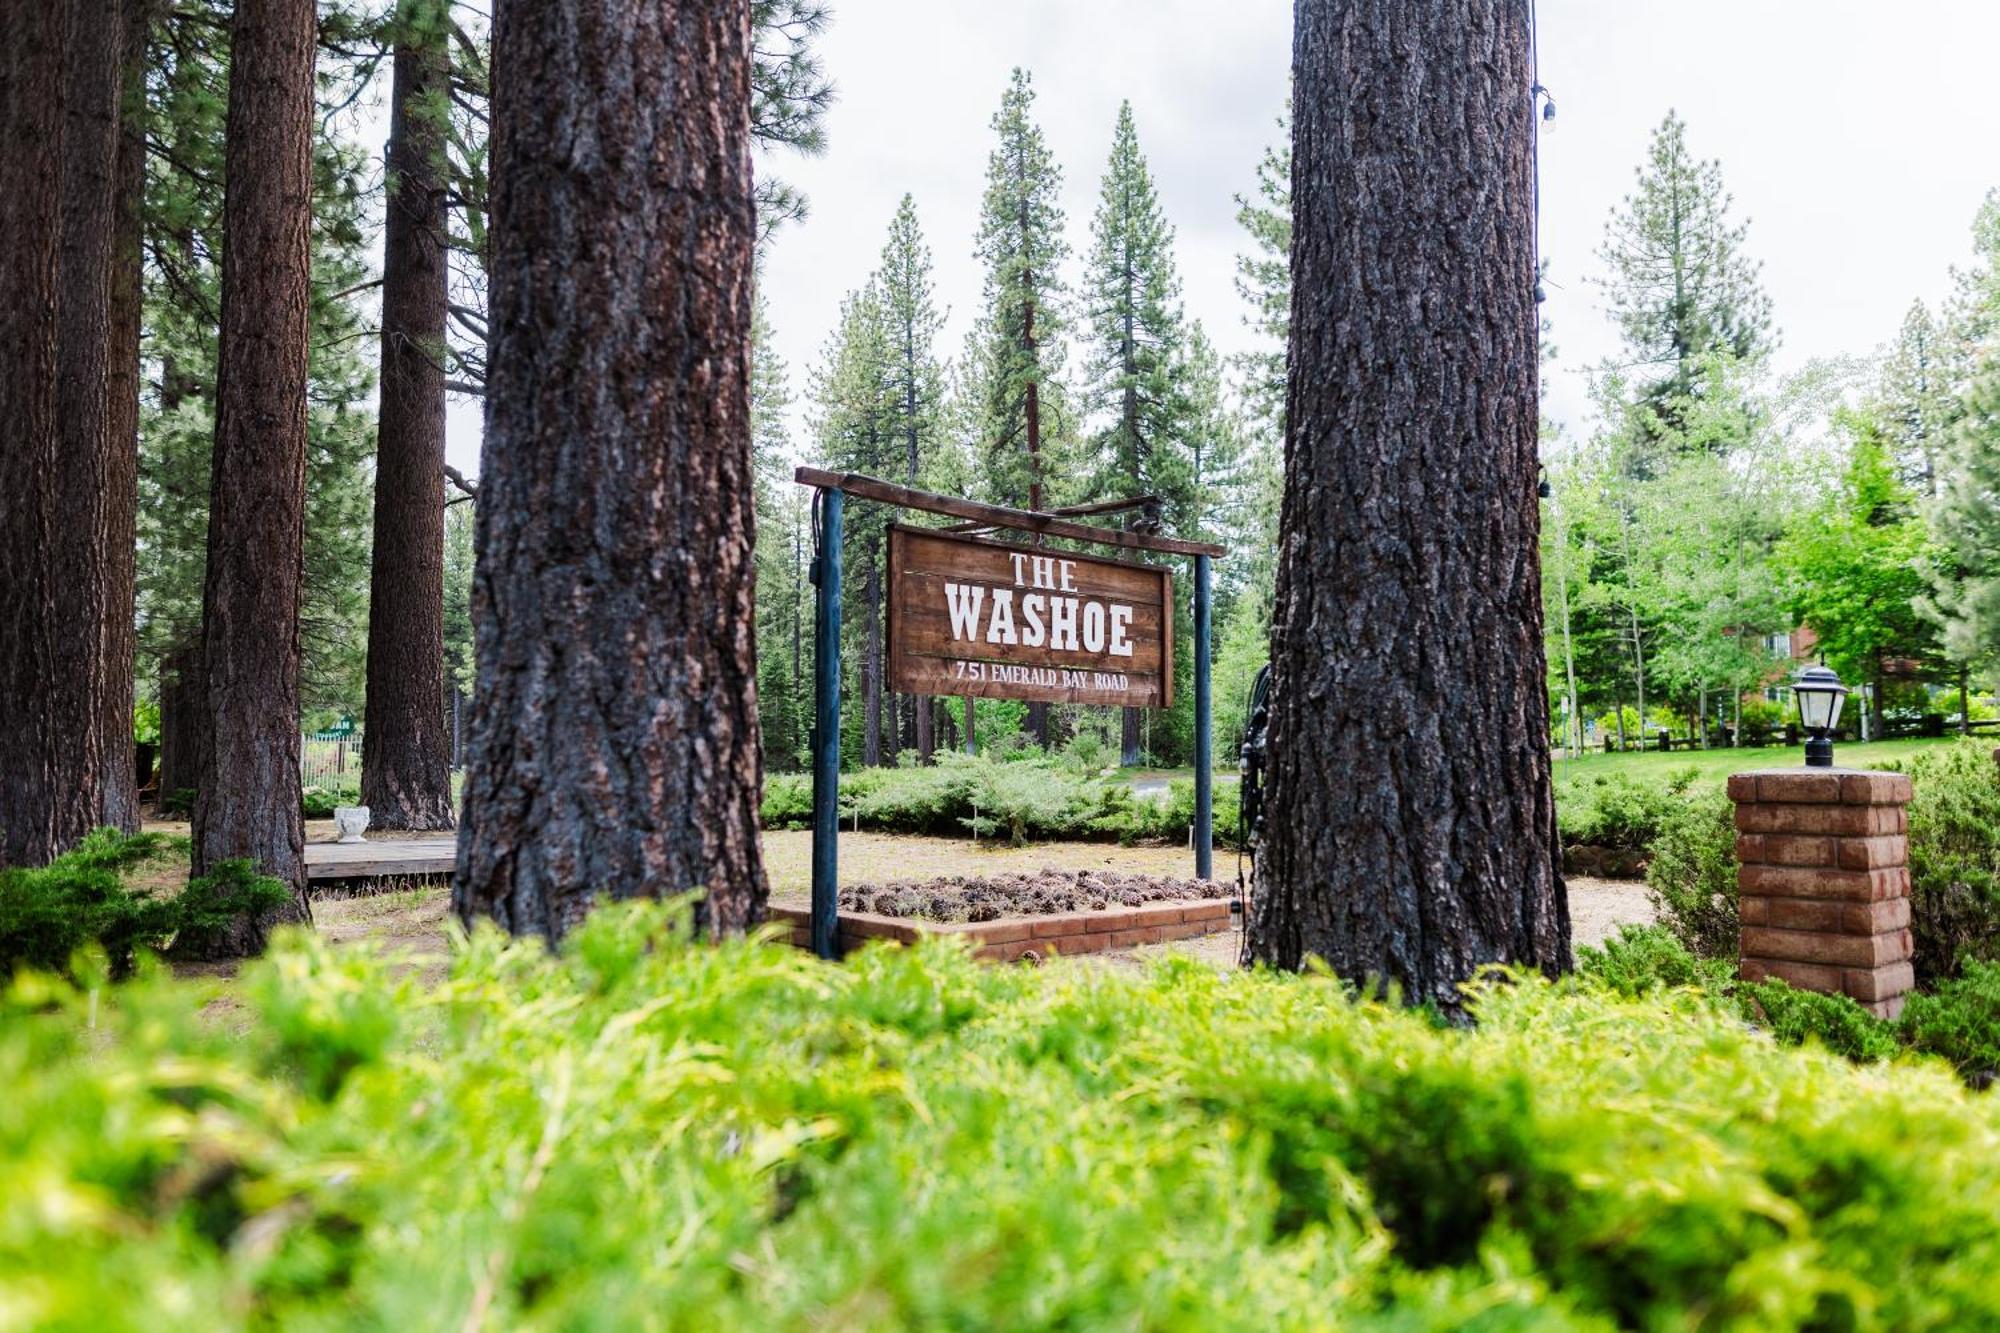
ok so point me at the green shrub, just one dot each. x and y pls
(1834, 1021)
(179, 804)
(788, 801)
(1954, 857)
(1959, 1021)
(1639, 960)
(1691, 875)
(1029, 795)
(642, 1133)
(80, 899)
(318, 801)
(1617, 811)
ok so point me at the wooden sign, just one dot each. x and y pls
(969, 616)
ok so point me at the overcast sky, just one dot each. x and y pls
(1858, 139)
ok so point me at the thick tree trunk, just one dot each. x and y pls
(248, 802)
(615, 724)
(78, 698)
(1412, 825)
(406, 759)
(121, 470)
(42, 807)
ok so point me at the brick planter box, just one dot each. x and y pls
(1009, 938)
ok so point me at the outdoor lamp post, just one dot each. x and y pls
(1820, 696)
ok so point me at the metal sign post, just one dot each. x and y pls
(1204, 740)
(826, 728)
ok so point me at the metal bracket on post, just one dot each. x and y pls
(826, 727)
(1204, 737)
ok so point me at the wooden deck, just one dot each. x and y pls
(381, 857)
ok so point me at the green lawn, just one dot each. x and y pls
(1716, 764)
(1711, 764)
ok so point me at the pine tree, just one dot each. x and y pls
(1680, 285)
(1135, 336)
(1967, 520)
(43, 806)
(182, 229)
(406, 764)
(784, 706)
(1015, 354)
(1264, 279)
(1921, 380)
(911, 324)
(248, 806)
(856, 428)
(1018, 346)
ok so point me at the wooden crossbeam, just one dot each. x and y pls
(998, 516)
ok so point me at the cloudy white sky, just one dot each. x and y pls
(1857, 137)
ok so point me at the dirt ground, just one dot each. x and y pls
(413, 920)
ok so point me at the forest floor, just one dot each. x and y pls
(413, 920)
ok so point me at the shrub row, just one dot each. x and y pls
(639, 1133)
(1024, 797)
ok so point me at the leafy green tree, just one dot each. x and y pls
(1854, 568)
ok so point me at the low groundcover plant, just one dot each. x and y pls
(643, 1131)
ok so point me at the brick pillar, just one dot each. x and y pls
(1823, 857)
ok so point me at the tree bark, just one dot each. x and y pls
(42, 809)
(248, 801)
(406, 755)
(1412, 824)
(78, 697)
(184, 721)
(615, 722)
(121, 470)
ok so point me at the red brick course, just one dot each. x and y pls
(1825, 882)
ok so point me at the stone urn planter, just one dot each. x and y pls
(351, 821)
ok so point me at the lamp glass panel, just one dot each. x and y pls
(1818, 708)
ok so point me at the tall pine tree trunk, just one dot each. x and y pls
(43, 809)
(248, 805)
(77, 701)
(615, 722)
(121, 472)
(184, 722)
(1412, 825)
(406, 762)
(919, 705)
